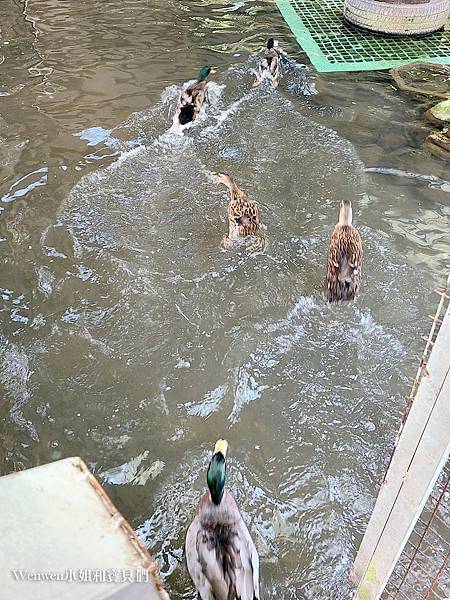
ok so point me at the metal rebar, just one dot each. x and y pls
(422, 536)
(436, 595)
(433, 318)
(402, 594)
(437, 577)
(422, 366)
(418, 565)
(399, 593)
(439, 536)
(428, 557)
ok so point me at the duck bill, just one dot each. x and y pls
(222, 447)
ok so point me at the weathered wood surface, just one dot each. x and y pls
(422, 451)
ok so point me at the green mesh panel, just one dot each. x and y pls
(333, 45)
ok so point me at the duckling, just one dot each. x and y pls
(345, 256)
(221, 557)
(269, 65)
(243, 215)
(192, 98)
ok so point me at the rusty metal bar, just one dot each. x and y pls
(438, 576)
(436, 596)
(422, 367)
(422, 536)
(435, 533)
(399, 591)
(421, 438)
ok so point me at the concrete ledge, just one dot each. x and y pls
(62, 537)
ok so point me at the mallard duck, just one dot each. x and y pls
(221, 557)
(192, 98)
(269, 67)
(243, 215)
(344, 258)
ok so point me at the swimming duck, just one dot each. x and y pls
(243, 215)
(192, 98)
(221, 557)
(345, 256)
(268, 67)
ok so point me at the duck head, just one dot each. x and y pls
(217, 472)
(222, 178)
(205, 71)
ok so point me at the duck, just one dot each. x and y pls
(221, 557)
(192, 98)
(243, 215)
(345, 257)
(269, 65)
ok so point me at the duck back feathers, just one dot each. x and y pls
(192, 98)
(344, 269)
(187, 114)
(243, 215)
(222, 559)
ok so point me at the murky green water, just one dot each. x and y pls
(131, 339)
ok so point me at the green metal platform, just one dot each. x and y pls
(333, 45)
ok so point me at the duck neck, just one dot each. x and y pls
(216, 477)
(203, 74)
(345, 214)
(235, 192)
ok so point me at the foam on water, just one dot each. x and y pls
(222, 116)
(14, 375)
(208, 404)
(133, 472)
(24, 185)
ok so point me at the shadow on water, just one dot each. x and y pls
(133, 339)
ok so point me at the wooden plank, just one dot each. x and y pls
(422, 451)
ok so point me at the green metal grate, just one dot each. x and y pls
(333, 45)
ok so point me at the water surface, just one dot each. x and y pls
(130, 338)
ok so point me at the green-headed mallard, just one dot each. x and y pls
(192, 98)
(344, 258)
(243, 215)
(220, 554)
(269, 65)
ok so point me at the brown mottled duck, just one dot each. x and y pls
(269, 65)
(220, 554)
(192, 98)
(345, 256)
(243, 215)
